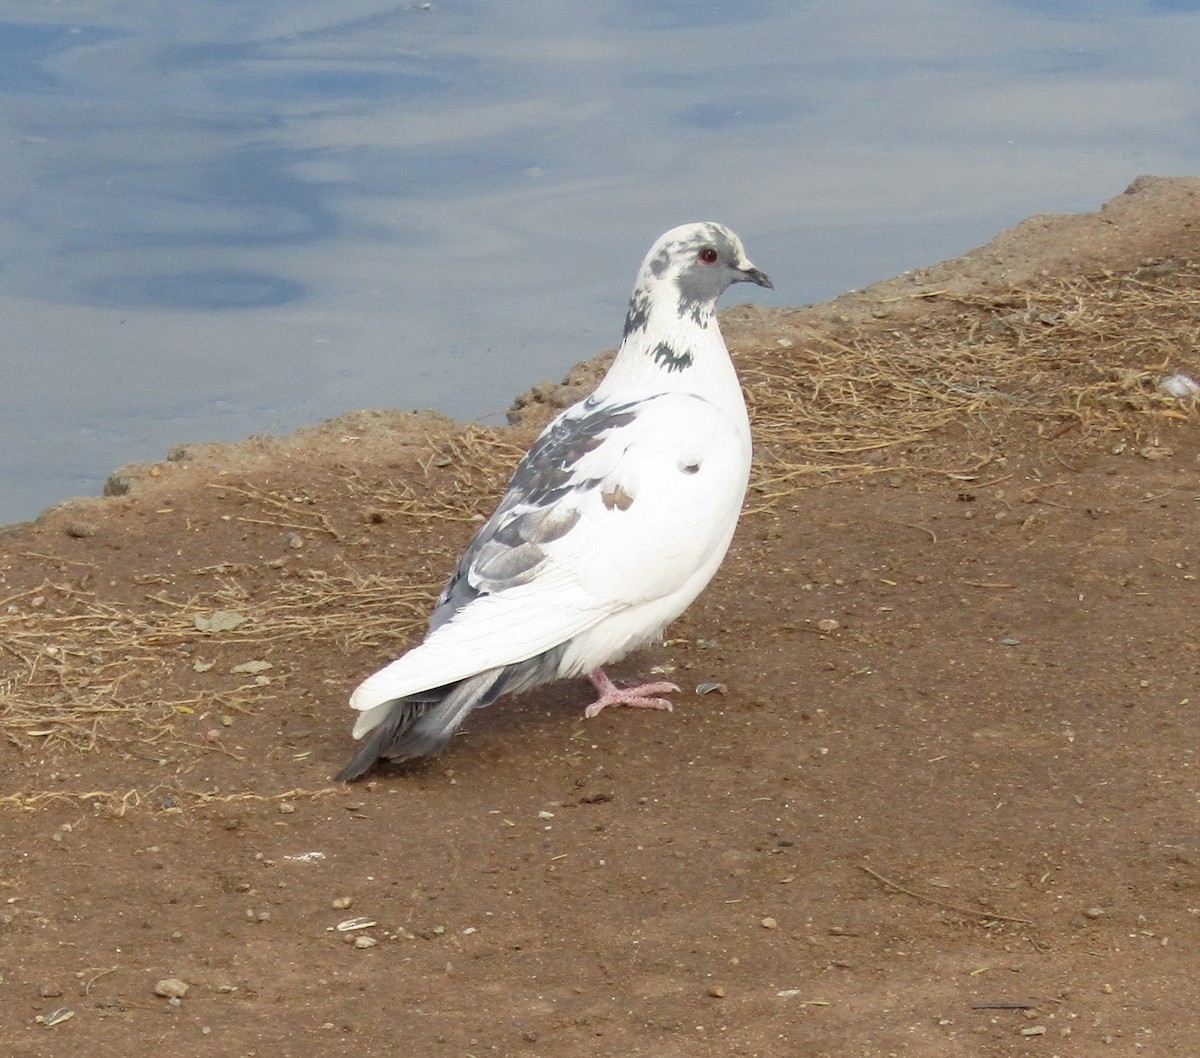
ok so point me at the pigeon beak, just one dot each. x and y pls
(750, 274)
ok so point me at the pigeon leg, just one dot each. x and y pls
(638, 697)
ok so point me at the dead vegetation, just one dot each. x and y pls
(1083, 355)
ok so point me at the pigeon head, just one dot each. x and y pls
(688, 269)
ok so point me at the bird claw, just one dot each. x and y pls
(640, 697)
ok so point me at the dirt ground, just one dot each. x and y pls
(943, 801)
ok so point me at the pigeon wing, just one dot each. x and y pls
(664, 510)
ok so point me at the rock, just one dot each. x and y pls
(120, 482)
(171, 988)
(219, 621)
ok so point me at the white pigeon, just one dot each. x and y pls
(614, 521)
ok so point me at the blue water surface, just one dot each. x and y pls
(221, 219)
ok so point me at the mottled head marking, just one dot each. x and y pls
(686, 270)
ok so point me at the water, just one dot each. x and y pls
(220, 219)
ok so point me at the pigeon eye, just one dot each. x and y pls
(708, 255)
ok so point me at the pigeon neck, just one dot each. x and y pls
(670, 345)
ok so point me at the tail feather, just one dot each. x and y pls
(391, 730)
(421, 726)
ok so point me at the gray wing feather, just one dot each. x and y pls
(507, 551)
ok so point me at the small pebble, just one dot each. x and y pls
(716, 991)
(768, 923)
(171, 988)
(1034, 1030)
(48, 990)
(286, 808)
(342, 902)
(827, 624)
(365, 942)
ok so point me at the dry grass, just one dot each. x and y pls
(1084, 356)
(461, 481)
(76, 665)
(78, 670)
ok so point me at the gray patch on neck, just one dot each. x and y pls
(700, 310)
(639, 312)
(664, 355)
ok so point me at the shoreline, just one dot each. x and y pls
(1061, 245)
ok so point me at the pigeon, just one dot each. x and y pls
(615, 520)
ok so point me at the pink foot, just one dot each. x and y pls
(638, 697)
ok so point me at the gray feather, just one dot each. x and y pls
(421, 725)
(507, 550)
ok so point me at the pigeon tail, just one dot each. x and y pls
(421, 725)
